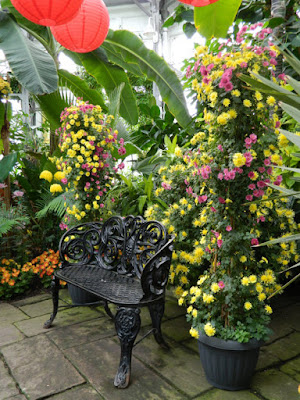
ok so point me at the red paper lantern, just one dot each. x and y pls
(48, 12)
(87, 30)
(198, 3)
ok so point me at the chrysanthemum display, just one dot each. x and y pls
(86, 167)
(228, 173)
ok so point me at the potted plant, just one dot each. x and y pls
(229, 167)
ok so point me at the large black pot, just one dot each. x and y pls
(228, 364)
(80, 296)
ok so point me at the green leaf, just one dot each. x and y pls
(52, 105)
(271, 88)
(273, 22)
(292, 60)
(189, 29)
(283, 239)
(293, 138)
(56, 206)
(31, 64)
(1, 145)
(6, 165)
(126, 180)
(149, 186)
(292, 111)
(142, 201)
(128, 51)
(215, 19)
(295, 84)
(155, 112)
(80, 88)
(111, 76)
(114, 102)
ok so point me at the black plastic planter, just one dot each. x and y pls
(228, 364)
(80, 296)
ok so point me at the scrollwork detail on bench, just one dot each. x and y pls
(80, 244)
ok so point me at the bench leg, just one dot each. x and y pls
(127, 322)
(156, 312)
(54, 291)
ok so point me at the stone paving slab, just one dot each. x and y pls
(294, 317)
(9, 334)
(191, 344)
(85, 332)
(280, 325)
(80, 393)
(10, 314)
(292, 368)
(31, 299)
(8, 386)
(178, 365)
(275, 385)
(177, 328)
(99, 361)
(34, 326)
(287, 347)
(18, 397)
(266, 359)
(40, 368)
(172, 309)
(217, 394)
(43, 307)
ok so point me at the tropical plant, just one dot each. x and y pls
(122, 50)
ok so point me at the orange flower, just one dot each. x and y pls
(11, 282)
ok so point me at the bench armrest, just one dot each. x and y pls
(80, 244)
(155, 274)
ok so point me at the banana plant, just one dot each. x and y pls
(36, 67)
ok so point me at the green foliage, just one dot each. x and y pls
(131, 195)
(32, 65)
(184, 14)
(128, 51)
(215, 19)
(6, 165)
(11, 219)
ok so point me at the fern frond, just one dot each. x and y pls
(55, 206)
(6, 225)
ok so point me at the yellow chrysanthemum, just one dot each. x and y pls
(209, 329)
(247, 305)
(55, 188)
(47, 175)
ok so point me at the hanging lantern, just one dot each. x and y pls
(48, 12)
(198, 3)
(87, 30)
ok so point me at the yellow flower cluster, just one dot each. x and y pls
(5, 88)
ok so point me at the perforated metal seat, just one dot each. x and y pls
(109, 285)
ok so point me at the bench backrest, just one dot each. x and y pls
(124, 245)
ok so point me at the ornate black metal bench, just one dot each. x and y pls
(124, 261)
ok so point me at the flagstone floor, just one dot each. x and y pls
(78, 357)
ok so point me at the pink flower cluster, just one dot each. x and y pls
(252, 139)
(225, 81)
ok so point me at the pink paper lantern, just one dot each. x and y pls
(87, 30)
(198, 3)
(48, 12)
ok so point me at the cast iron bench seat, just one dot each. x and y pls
(124, 261)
